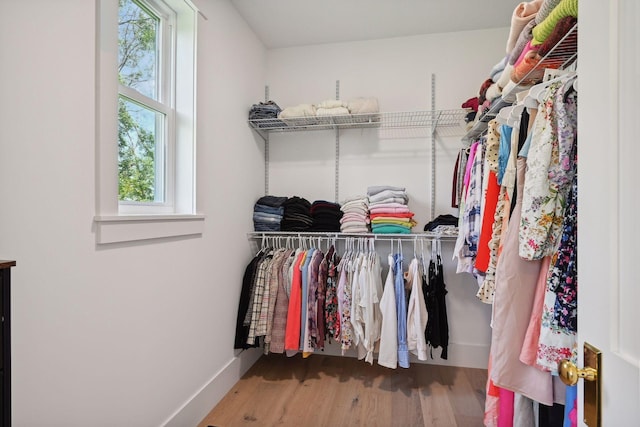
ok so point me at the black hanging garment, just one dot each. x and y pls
(437, 332)
(242, 330)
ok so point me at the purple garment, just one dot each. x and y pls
(312, 300)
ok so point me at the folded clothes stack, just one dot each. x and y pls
(302, 114)
(355, 218)
(297, 215)
(364, 109)
(265, 110)
(443, 224)
(326, 216)
(331, 108)
(389, 211)
(268, 212)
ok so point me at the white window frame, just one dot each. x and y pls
(164, 104)
(120, 222)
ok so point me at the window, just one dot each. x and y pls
(146, 120)
(145, 104)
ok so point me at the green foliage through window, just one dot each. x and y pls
(137, 124)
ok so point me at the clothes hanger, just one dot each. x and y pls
(434, 249)
(503, 115)
(536, 93)
(424, 266)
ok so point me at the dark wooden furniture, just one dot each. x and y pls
(5, 342)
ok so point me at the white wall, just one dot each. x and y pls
(397, 72)
(122, 335)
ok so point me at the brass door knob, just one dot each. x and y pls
(569, 373)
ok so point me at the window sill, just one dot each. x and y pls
(128, 228)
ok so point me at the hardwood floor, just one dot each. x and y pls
(343, 391)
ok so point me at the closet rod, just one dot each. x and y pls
(344, 236)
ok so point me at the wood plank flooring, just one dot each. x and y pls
(343, 391)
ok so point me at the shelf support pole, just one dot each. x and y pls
(266, 149)
(337, 161)
(434, 125)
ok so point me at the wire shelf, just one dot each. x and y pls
(561, 56)
(341, 236)
(394, 120)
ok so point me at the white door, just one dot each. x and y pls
(608, 208)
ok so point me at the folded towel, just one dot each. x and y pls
(471, 103)
(363, 105)
(386, 194)
(494, 91)
(523, 13)
(347, 224)
(391, 215)
(378, 211)
(335, 111)
(375, 189)
(523, 68)
(359, 203)
(390, 220)
(331, 103)
(354, 229)
(390, 229)
(505, 77)
(353, 216)
(302, 110)
(496, 72)
(402, 200)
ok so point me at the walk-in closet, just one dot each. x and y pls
(340, 213)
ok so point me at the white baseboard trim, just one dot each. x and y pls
(198, 406)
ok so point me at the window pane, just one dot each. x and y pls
(137, 48)
(140, 153)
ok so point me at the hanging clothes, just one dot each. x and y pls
(275, 277)
(344, 302)
(549, 173)
(332, 314)
(437, 331)
(258, 323)
(491, 191)
(242, 328)
(401, 309)
(310, 334)
(469, 228)
(417, 315)
(388, 356)
(559, 316)
(323, 281)
(292, 333)
(278, 329)
(515, 287)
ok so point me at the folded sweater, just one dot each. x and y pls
(363, 105)
(302, 110)
(523, 13)
(337, 111)
(545, 28)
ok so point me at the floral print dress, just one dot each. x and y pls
(557, 339)
(549, 173)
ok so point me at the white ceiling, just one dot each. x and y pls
(286, 23)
